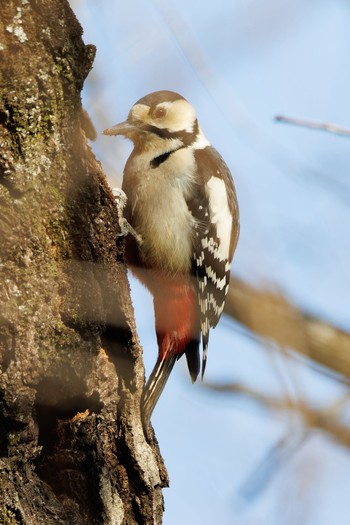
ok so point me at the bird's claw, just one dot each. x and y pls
(125, 226)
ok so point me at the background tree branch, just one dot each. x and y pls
(311, 124)
(272, 316)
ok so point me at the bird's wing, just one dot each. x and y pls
(215, 210)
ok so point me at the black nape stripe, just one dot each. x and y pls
(157, 161)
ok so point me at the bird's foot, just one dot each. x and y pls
(125, 226)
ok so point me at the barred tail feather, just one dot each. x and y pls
(154, 387)
(205, 339)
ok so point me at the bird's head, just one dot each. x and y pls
(160, 118)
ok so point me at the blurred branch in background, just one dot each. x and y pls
(326, 418)
(323, 126)
(271, 316)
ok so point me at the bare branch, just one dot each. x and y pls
(330, 128)
(271, 316)
(326, 419)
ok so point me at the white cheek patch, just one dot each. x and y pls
(220, 215)
(181, 116)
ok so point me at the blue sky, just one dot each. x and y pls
(240, 63)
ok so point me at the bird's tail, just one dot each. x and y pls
(154, 387)
(177, 327)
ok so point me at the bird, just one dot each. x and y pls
(182, 209)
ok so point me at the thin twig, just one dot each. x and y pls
(326, 418)
(330, 128)
(274, 460)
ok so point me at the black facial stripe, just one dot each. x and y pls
(157, 161)
(187, 138)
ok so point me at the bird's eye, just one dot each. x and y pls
(158, 112)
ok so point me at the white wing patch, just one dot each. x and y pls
(220, 215)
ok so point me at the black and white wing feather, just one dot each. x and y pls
(215, 209)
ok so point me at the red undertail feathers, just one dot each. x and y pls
(177, 327)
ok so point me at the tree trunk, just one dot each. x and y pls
(72, 449)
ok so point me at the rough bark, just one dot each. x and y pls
(72, 449)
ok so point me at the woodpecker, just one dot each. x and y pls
(184, 226)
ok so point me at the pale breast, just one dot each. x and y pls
(159, 212)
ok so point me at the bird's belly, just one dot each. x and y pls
(166, 232)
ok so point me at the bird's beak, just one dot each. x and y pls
(124, 128)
